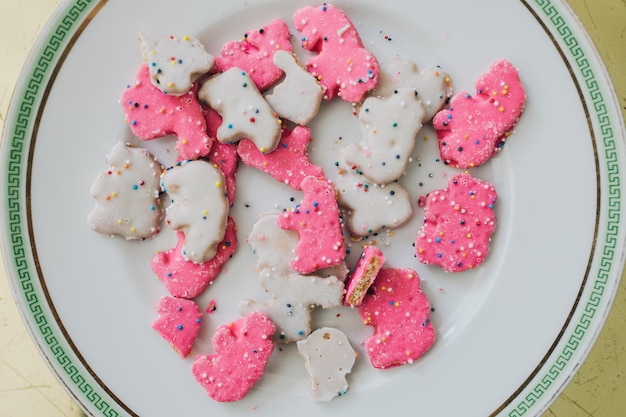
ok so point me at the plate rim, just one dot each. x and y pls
(590, 76)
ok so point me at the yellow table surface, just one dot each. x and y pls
(28, 387)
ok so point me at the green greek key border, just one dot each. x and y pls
(34, 88)
(27, 105)
(612, 193)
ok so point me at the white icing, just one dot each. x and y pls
(387, 206)
(340, 271)
(127, 195)
(199, 207)
(275, 248)
(292, 297)
(298, 96)
(272, 245)
(389, 129)
(174, 63)
(328, 358)
(432, 84)
(244, 111)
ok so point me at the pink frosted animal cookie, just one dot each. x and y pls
(242, 351)
(274, 248)
(289, 163)
(343, 65)
(474, 128)
(179, 323)
(152, 114)
(186, 279)
(458, 224)
(400, 314)
(255, 52)
(224, 155)
(367, 267)
(316, 220)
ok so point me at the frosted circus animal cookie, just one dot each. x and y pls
(389, 129)
(340, 271)
(245, 113)
(432, 84)
(400, 314)
(242, 350)
(298, 96)
(224, 155)
(174, 63)
(255, 52)
(369, 264)
(274, 248)
(186, 279)
(316, 220)
(328, 358)
(343, 66)
(150, 114)
(475, 127)
(179, 323)
(199, 207)
(292, 298)
(289, 163)
(369, 207)
(127, 195)
(458, 224)
(272, 245)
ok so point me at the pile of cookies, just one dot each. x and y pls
(251, 104)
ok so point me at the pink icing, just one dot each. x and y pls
(458, 224)
(316, 220)
(178, 323)
(151, 114)
(223, 155)
(289, 163)
(475, 127)
(242, 351)
(255, 52)
(365, 272)
(343, 66)
(187, 279)
(399, 312)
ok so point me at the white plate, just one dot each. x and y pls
(510, 333)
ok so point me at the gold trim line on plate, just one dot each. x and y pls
(570, 316)
(97, 8)
(109, 392)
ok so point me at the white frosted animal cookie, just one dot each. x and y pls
(174, 63)
(199, 207)
(328, 358)
(389, 129)
(432, 84)
(370, 207)
(272, 245)
(274, 248)
(298, 96)
(292, 298)
(245, 113)
(127, 195)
